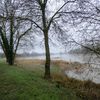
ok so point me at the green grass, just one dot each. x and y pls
(22, 82)
(18, 83)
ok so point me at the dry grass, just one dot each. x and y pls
(63, 65)
(29, 62)
(85, 89)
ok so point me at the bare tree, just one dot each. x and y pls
(12, 27)
(90, 25)
(47, 20)
(86, 23)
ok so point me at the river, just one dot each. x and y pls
(81, 58)
(90, 72)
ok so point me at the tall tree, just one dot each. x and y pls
(12, 28)
(46, 19)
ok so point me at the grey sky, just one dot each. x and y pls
(53, 6)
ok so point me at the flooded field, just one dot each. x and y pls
(90, 70)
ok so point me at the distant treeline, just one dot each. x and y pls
(29, 54)
(80, 51)
(24, 54)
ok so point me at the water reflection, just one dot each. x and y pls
(89, 72)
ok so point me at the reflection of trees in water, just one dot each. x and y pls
(85, 73)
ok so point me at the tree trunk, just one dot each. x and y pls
(10, 59)
(47, 53)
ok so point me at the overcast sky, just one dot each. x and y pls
(53, 6)
(57, 48)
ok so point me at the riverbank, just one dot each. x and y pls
(63, 65)
(26, 82)
(17, 83)
(72, 69)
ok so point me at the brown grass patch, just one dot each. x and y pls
(63, 65)
(85, 89)
(29, 61)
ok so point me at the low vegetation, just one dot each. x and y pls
(23, 82)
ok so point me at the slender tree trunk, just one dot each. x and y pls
(47, 53)
(11, 45)
(46, 41)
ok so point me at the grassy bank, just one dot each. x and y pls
(27, 83)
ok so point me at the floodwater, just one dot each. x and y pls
(82, 58)
(90, 72)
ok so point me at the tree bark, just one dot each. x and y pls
(47, 53)
(46, 41)
(7, 48)
(10, 60)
